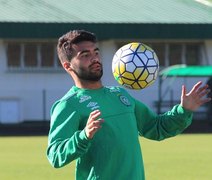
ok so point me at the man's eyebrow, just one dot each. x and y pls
(86, 51)
(96, 49)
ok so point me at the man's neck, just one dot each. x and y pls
(89, 84)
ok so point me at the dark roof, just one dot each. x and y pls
(109, 19)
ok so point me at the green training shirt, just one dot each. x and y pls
(114, 152)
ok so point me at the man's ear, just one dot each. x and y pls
(67, 66)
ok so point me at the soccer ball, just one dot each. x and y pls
(135, 66)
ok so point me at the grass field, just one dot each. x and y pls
(185, 157)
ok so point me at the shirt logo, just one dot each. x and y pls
(114, 90)
(84, 98)
(93, 105)
(125, 100)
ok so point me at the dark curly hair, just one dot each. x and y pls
(65, 42)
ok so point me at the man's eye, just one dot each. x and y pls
(97, 52)
(85, 55)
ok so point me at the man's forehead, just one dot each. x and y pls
(85, 45)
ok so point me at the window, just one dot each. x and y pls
(32, 56)
(175, 54)
(14, 55)
(47, 55)
(192, 54)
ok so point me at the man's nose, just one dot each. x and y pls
(95, 58)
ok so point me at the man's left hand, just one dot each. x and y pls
(195, 98)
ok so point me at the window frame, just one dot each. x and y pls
(22, 67)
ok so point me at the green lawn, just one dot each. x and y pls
(185, 157)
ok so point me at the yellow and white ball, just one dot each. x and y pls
(135, 66)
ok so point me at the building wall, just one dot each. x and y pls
(28, 96)
(34, 92)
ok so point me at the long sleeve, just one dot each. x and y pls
(66, 142)
(159, 127)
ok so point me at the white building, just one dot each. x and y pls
(31, 78)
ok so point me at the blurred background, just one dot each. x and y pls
(31, 75)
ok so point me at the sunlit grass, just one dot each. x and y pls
(185, 157)
(24, 158)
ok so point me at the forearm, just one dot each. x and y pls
(172, 122)
(159, 127)
(62, 151)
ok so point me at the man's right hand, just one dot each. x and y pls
(94, 123)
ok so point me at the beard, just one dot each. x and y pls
(88, 74)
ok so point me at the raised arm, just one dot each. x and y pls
(196, 97)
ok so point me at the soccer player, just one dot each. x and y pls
(100, 126)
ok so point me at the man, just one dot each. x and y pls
(99, 126)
